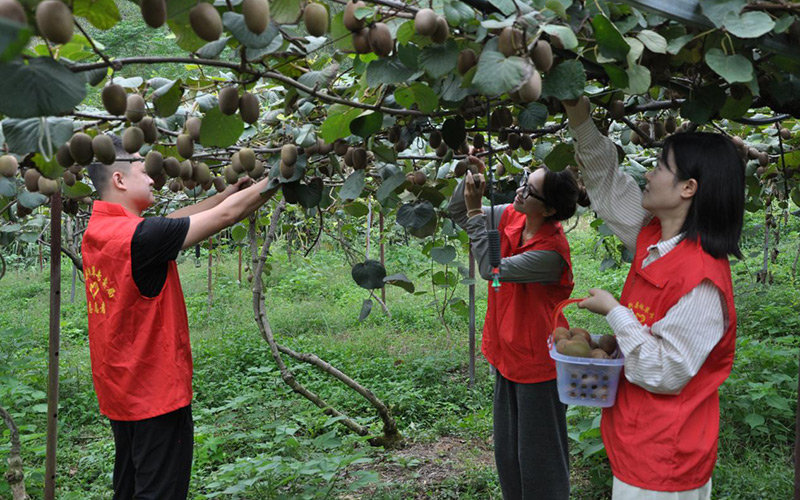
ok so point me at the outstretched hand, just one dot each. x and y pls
(473, 191)
(578, 110)
(241, 184)
(599, 302)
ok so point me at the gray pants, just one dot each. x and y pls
(530, 441)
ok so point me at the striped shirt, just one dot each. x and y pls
(663, 357)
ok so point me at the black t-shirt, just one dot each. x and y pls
(156, 241)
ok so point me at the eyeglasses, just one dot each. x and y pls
(527, 191)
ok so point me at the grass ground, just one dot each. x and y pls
(255, 439)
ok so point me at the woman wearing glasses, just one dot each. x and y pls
(676, 323)
(530, 434)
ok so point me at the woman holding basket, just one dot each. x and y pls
(530, 434)
(675, 321)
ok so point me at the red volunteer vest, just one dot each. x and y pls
(518, 315)
(139, 346)
(669, 442)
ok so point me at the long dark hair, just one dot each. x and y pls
(716, 213)
(562, 193)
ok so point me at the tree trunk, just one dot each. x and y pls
(471, 321)
(16, 474)
(383, 260)
(210, 263)
(55, 340)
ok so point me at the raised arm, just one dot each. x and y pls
(211, 201)
(229, 211)
(615, 196)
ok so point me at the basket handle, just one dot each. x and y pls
(561, 305)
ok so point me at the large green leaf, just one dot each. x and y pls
(388, 71)
(749, 24)
(702, 105)
(533, 116)
(564, 34)
(415, 215)
(367, 124)
(8, 187)
(717, 10)
(103, 14)
(167, 98)
(353, 185)
(638, 79)
(609, 40)
(458, 12)
(443, 255)
(42, 87)
(653, 41)
(400, 280)
(50, 167)
(309, 195)
(218, 130)
(234, 22)
(369, 274)
(285, 11)
(31, 200)
(419, 95)
(735, 68)
(212, 50)
(337, 124)
(562, 156)
(565, 81)
(450, 89)
(13, 38)
(439, 60)
(77, 190)
(22, 136)
(454, 132)
(389, 185)
(318, 79)
(498, 74)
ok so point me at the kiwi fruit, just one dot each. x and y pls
(31, 178)
(340, 147)
(185, 146)
(503, 135)
(201, 173)
(192, 127)
(542, 55)
(785, 133)
(69, 178)
(400, 145)
(54, 21)
(8, 166)
(763, 158)
(287, 171)
(608, 343)
(289, 154)
(442, 31)
(248, 158)
(420, 178)
(560, 333)
(115, 100)
(659, 130)
(47, 186)
(205, 21)
(249, 108)
(393, 134)
(441, 150)
(132, 139)
(581, 332)
(103, 149)
(219, 184)
(478, 141)
(159, 181)
(599, 354)
(228, 100)
(256, 15)
(435, 140)
(257, 171)
(63, 156)
(134, 108)
(348, 157)
(752, 153)
(154, 12)
(505, 116)
(236, 163)
(13, 11)
(186, 170)
(361, 41)
(509, 41)
(467, 59)
(175, 185)
(230, 175)
(670, 125)
(380, 39)
(513, 141)
(149, 129)
(80, 148)
(425, 22)
(525, 142)
(359, 158)
(617, 109)
(531, 90)
(460, 168)
(76, 169)
(349, 17)
(576, 348)
(560, 345)
(154, 163)
(315, 17)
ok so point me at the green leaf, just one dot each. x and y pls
(238, 232)
(389, 185)
(22, 136)
(103, 14)
(564, 33)
(13, 38)
(703, 104)
(305, 136)
(212, 50)
(356, 209)
(366, 308)
(178, 22)
(457, 12)
(676, 44)
(167, 98)
(754, 420)
(562, 156)
(343, 39)
(533, 116)
(49, 168)
(31, 200)
(400, 280)
(285, 11)
(506, 7)
(609, 39)
(8, 187)
(735, 68)
(10, 228)
(234, 22)
(439, 60)
(418, 94)
(415, 216)
(309, 195)
(388, 71)
(653, 41)
(353, 185)
(454, 132)
(443, 255)
(218, 130)
(618, 76)
(77, 190)
(734, 108)
(749, 24)
(337, 124)
(450, 89)
(638, 79)
(318, 79)
(369, 274)
(498, 74)
(42, 87)
(565, 81)
(367, 124)
(717, 10)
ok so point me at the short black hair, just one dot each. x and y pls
(716, 213)
(562, 193)
(100, 173)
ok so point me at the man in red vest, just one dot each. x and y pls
(138, 328)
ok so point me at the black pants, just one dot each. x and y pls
(154, 457)
(530, 441)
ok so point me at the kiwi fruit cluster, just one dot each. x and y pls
(429, 24)
(375, 38)
(578, 342)
(395, 136)
(288, 160)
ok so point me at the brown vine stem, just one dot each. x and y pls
(391, 436)
(94, 47)
(16, 474)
